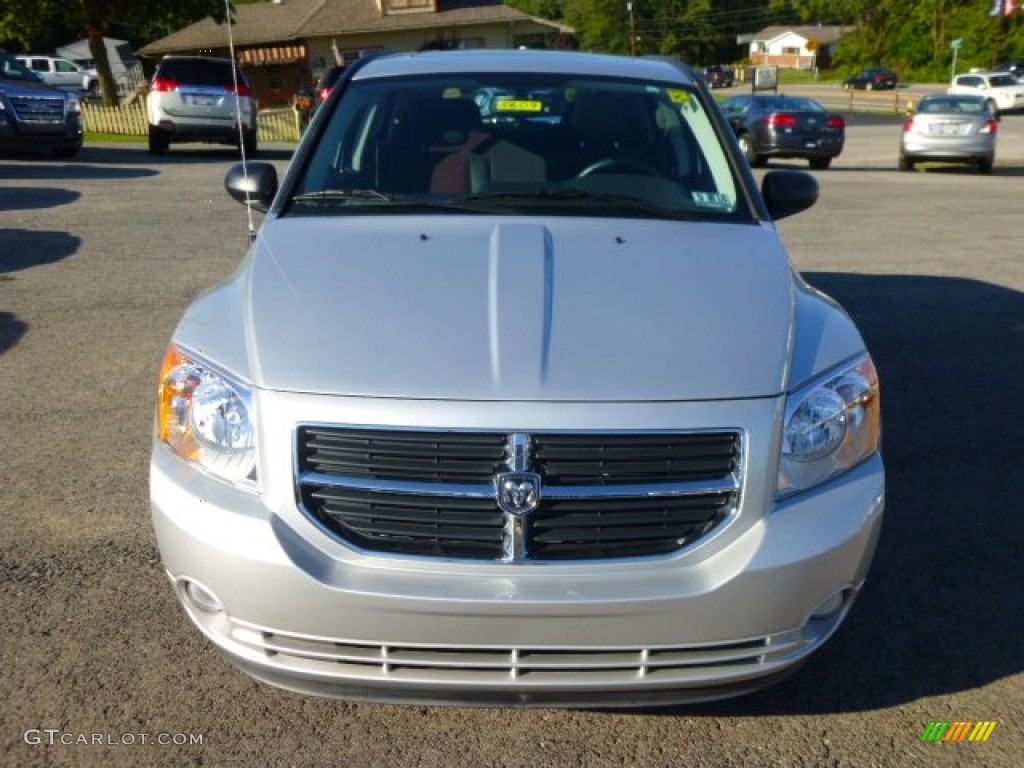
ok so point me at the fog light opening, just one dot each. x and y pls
(202, 598)
(830, 606)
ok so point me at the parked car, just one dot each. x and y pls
(718, 76)
(770, 125)
(326, 82)
(1000, 89)
(523, 413)
(195, 98)
(950, 129)
(872, 79)
(61, 73)
(1015, 68)
(34, 115)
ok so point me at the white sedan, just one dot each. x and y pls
(1002, 90)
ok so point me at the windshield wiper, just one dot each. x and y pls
(544, 196)
(343, 195)
(369, 196)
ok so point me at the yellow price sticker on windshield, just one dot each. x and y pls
(678, 96)
(518, 105)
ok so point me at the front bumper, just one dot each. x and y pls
(64, 135)
(295, 608)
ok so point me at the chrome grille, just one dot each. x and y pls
(434, 494)
(519, 666)
(38, 109)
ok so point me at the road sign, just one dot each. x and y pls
(957, 44)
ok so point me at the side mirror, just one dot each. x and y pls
(788, 192)
(254, 184)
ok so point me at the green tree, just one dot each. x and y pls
(27, 21)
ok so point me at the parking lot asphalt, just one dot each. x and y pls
(99, 666)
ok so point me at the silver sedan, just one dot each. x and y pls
(950, 129)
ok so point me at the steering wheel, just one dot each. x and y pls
(619, 165)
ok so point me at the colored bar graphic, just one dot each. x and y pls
(935, 731)
(982, 731)
(958, 730)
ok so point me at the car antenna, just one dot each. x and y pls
(238, 118)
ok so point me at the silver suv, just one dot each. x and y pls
(517, 399)
(61, 73)
(193, 98)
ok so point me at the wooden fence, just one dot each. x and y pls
(127, 119)
(130, 119)
(894, 101)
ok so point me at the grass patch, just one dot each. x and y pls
(92, 137)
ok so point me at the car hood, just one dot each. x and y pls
(15, 87)
(474, 308)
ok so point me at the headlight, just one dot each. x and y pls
(206, 417)
(74, 105)
(831, 425)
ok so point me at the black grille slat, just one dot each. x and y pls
(603, 496)
(410, 524)
(415, 456)
(622, 459)
(604, 528)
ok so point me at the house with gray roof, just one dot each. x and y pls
(800, 47)
(284, 45)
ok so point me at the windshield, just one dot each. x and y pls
(523, 143)
(12, 69)
(943, 105)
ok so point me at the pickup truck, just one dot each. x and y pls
(36, 115)
(61, 73)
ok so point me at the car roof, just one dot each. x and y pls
(565, 62)
(181, 57)
(953, 97)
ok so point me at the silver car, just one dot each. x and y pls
(950, 129)
(529, 411)
(198, 98)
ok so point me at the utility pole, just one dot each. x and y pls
(632, 30)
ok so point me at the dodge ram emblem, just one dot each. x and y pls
(518, 492)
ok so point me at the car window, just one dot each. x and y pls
(736, 105)
(523, 143)
(934, 105)
(795, 104)
(65, 66)
(13, 69)
(1000, 81)
(197, 72)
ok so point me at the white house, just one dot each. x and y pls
(795, 47)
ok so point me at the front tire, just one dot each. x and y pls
(819, 163)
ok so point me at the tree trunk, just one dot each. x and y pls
(98, 49)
